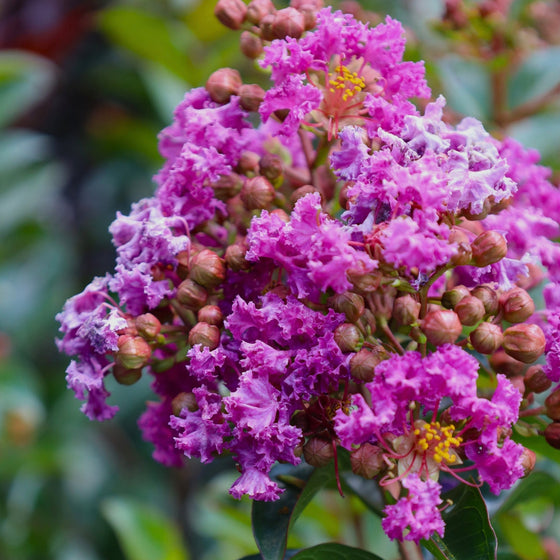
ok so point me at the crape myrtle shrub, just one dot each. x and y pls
(328, 274)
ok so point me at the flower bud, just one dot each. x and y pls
(205, 334)
(367, 460)
(211, 314)
(406, 310)
(251, 96)
(257, 9)
(363, 363)
(207, 268)
(486, 338)
(257, 193)
(349, 303)
(536, 380)
(191, 295)
(265, 25)
(248, 163)
(488, 297)
(318, 452)
(125, 376)
(231, 13)
(528, 461)
(227, 186)
(470, 215)
(441, 327)
(470, 311)
(184, 400)
(183, 258)
(148, 325)
(451, 298)
(463, 255)
(524, 342)
(301, 192)
(552, 435)
(488, 248)
(251, 45)
(133, 353)
(502, 363)
(223, 83)
(533, 278)
(288, 22)
(348, 337)
(235, 257)
(271, 167)
(517, 305)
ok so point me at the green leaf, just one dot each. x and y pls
(538, 484)
(525, 543)
(468, 533)
(334, 551)
(535, 77)
(466, 86)
(143, 531)
(289, 554)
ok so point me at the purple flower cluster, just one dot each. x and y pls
(301, 279)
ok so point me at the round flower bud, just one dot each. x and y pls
(133, 353)
(251, 45)
(367, 460)
(536, 380)
(470, 311)
(406, 310)
(502, 363)
(231, 13)
(528, 461)
(227, 186)
(288, 22)
(552, 404)
(524, 342)
(451, 298)
(184, 400)
(486, 338)
(348, 337)
(463, 255)
(207, 268)
(271, 167)
(318, 452)
(235, 257)
(349, 303)
(205, 334)
(148, 325)
(488, 297)
(257, 193)
(441, 327)
(257, 9)
(125, 376)
(469, 214)
(517, 305)
(251, 96)
(191, 295)
(265, 26)
(363, 363)
(183, 258)
(211, 314)
(223, 83)
(248, 163)
(488, 248)
(301, 192)
(552, 435)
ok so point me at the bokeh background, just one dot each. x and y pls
(85, 87)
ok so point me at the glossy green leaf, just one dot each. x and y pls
(538, 484)
(525, 542)
(289, 554)
(143, 531)
(535, 77)
(334, 551)
(468, 533)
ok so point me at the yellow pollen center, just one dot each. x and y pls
(438, 441)
(349, 82)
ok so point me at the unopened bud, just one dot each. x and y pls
(364, 281)
(470, 311)
(517, 305)
(524, 342)
(183, 259)
(231, 13)
(271, 167)
(257, 193)
(348, 337)
(528, 461)
(364, 362)
(552, 435)
(302, 191)
(486, 338)
(288, 22)
(251, 45)
(125, 376)
(367, 460)
(148, 325)
(503, 363)
(406, 310)
(470, 214)
(257, 9)
(251, 96)
(207, 268)
(451, 298)
(309, 9)
(318, 452)
(184, 400)
(441, 327)
(265, 25)
(349, 303)
(488, 248)
(248, 163)
(536, 380)
(211, 314)
(488, 297)
(223, 83)
(133, 353)
(227, 186)
(205, 334)
(235, 257)
(463, 255)
(191, 295)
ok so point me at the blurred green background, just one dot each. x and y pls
(85, 86)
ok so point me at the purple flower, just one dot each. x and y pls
(552, 350)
